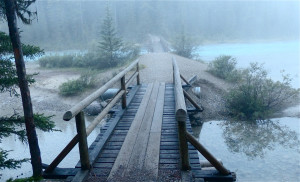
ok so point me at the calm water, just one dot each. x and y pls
(267, 152)
(276, 56)
(51, 144)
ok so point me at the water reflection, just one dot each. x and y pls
(254, 139)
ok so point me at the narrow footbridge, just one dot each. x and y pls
(146, 138)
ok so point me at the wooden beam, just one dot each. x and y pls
(151, 163)
(181, 114)
(129, 81)
(82, 137)
(123, 88)
(184, 80)
(89, 129)
(207, 154)
(192, 101)
(87, 101)
(124, 155)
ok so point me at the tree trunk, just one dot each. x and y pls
(23, 84)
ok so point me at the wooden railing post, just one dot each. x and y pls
(82, 138)
(181, 115)
(183, 145)
(138, 76)
(123, 87)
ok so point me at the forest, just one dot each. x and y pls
(63, 24)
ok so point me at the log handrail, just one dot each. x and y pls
(87, 101)
(184, 136)
(84, 132)
(181, 114)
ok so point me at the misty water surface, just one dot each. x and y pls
(267, 151)
(276, 56)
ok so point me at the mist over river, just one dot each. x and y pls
(267, 151)
(276, 56)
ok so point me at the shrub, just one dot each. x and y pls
(75, 87)
(257, 96)
(225, 67)
(57, 61)
(183, 46)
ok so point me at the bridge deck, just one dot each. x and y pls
(140, 143)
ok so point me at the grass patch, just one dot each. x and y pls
(75, 87)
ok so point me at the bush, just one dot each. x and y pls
(75, 87)
(225, 67)
(56, 61)
(257, 96)
(183, 46)
(91, 59)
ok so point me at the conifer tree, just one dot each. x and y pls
(10, 79)
(110, 44)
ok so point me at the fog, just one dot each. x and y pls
(67, 24)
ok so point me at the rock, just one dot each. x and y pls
(110, 93)
(93, 109)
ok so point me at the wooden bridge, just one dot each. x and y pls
(147, 138)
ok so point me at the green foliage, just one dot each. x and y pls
(29, 51)
(257, 96)
(30, 179)
(22, 10)
(183, 46)
(14, 125)
(110, 44)
(75, 87)
(9, 163)
(225, 67)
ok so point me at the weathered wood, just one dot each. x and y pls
(127, 147)
(62, 154)
(207, 154)
(103, 113)
(180, 114)
(89, 129)
(84, 103)
(206, 164)
(130, 80)
(184, 80)
(123, 87)
(140, 147)
(36, 161)
(192, 101)
(138, 82)
(192, 79)
(80, 176)
(82, 139)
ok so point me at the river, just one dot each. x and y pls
(266, 151)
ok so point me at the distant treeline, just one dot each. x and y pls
(64, 24)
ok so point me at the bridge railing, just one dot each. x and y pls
(77, 112)
(183, 135)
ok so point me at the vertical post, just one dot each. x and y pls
(138, 76)
(82, 138)
(123, 87)
(183, 145)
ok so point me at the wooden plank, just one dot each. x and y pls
(139, 151)
(127, 147)
(153, 149)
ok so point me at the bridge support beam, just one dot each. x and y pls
(82, 138)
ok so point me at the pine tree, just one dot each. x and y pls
(110, 44)
(10, 79)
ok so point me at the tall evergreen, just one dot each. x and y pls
(110, 44)
(11, 78)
